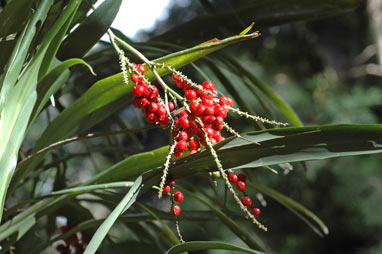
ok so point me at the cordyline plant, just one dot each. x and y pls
(39, 42)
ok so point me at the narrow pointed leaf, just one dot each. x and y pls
(208, 245)
(292, 205)
(276, 146)
(125, 203)
(13, 19)
(90, 31)
(51, 82)
(282, 106)
(266, 13)
(89, 188)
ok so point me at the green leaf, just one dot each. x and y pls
(276, 146)
(207, 245)
(171, 235)
(292, 205)
(90, 31)
(12, 129)
(235, 94)
(245, 31)
(266, 13)
(125, 203)
(18, 94)
(20, 51)
(52, 81)
(20, 228)
(54, 44)
(89, 188)
(281, 105)
(13, 19)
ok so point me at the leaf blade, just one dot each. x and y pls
(125, 203)
(206, 245)
(90, 31)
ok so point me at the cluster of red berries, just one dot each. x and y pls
(177, 197)
(239, 180)
(206, 114)
(206, 111)
(146, 97)
(74, 244)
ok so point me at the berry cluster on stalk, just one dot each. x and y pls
(239, 181)
(206, 113)
(176, 197)
(146, 97)
(75, 244)
(195, 118)
(198, 120)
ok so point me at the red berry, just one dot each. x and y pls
(183, 135)
(218, 136)
(210, 131)
(166, 189)
(194, 144)
(184, 123)
(232, 178)
(220, 111)
(193, 125)
(184, 113)
(179, 84)
(207, 102)
(182, 145)
(246, 201)
(138, 90)
(171, 105)
(206, 96)
(219, 120)
(200, 110)
(163, 120)
(242, 177)
(208, 85)
(153, 107)
(223, 101)
(211, 119)
(240, 186)
(176, 77)
(217, 127)
(134, 78)
(177, 153)
(209, 111)
(229, 101)
(143, 102)
(175, 210)
(60, 247)
(178, 196)
(170, 181)
(203, 142)
(193, 107)
(141, 68)
(161, 111)
(146, 92)
(151, 117)
(256, 211)
(190, 95)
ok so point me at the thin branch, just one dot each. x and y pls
(79, 138)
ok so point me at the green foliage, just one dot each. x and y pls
(69, 172)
